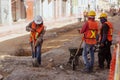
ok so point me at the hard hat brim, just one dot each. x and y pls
(37, 22)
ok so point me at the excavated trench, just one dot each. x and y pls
(54, 38)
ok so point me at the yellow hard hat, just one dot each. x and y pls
(103, 15)
(91, 13)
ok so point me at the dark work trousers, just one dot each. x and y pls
(104, 54)
(37, 52)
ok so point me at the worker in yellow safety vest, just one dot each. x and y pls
(90, 30)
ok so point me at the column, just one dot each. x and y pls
(41, 8)
(60, 8)
(0, 13)
(68, 8)
(45, 9)
(37, 7)
(57, 9)
(51, 9)
(5, 11)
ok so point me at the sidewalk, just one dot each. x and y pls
(17, 29)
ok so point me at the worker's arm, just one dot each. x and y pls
(84, 28)
(105, 29)
(29, 28)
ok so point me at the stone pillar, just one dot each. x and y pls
(75, 6)
(50, 9)
(68, 8)
(5, 11)
(54, 9)
(45, 9)
(60, 8)
(57, 8)
(41, 8)
(0, 13)
(37, 7)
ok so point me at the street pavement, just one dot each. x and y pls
(17, 29)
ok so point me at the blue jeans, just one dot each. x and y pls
(88, 48)
(36, 53)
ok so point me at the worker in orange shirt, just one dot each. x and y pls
(37, 30)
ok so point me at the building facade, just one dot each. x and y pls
(16, 10)
(5, 11)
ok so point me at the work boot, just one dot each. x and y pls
(85, 70)
(108, 66)
(91, 69)
(99, 68)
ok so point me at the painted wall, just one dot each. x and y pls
(29, 9)
(48, 9)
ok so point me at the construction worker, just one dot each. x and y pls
(37, 30)
(90, 30)
(85, 14)
(106, 33)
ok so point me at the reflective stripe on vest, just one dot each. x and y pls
(90, 34)
(110, 31)
(36, 34)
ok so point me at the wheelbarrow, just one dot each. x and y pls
(75, 53)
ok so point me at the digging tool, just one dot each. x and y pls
(34, 62)
(33, 44)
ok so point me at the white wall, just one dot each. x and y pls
(5, 11)
(68, 8)
(51, 9)
(45, 9)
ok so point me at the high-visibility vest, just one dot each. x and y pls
(91, 33)
(36, 34)
(110, 31)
